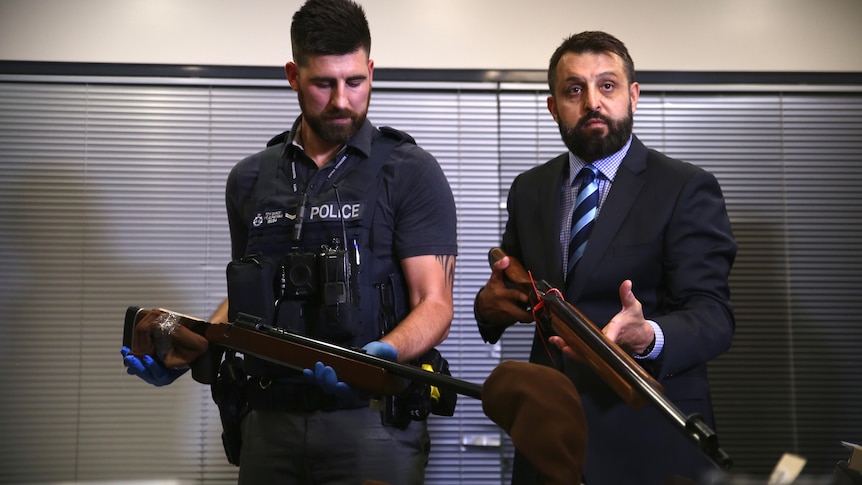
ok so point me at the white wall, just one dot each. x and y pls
(682, 35)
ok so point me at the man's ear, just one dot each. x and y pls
(291, 70)
(552, 107)
(634, 94)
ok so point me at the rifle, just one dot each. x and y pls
(615, 367)
(180, 340)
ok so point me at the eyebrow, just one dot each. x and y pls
(604, 74)
(358, 77)
(611, 74)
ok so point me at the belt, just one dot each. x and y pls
(296, 397)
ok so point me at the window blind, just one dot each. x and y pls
(112, 194)
(459, 128)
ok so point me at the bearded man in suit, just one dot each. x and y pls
(653, 272)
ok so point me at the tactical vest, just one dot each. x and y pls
(329, 283)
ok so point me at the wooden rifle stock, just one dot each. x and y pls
(247, 335)
(615, 367)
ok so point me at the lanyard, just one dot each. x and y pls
(303, 201)
(294, 180)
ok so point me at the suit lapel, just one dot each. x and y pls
(549, 216)
(622, 196)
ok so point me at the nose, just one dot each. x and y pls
(591, 99)
(339, 96)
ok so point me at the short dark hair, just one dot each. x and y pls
(328, 27)
(593, 42)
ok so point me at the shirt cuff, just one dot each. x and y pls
(656, 347)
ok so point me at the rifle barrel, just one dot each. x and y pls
(395, 368)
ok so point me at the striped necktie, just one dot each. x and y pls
(586, 207)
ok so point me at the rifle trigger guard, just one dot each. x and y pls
(264, 382)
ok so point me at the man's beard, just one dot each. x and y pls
(334, 133)
(590, 147)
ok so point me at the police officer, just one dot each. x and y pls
(346, 233)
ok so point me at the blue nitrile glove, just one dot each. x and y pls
(381, 349)
(324, 376)
(149, 370)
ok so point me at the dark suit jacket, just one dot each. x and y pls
(664, 225)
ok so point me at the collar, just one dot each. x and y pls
(607, 166)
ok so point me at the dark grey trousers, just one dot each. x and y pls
(345, 447)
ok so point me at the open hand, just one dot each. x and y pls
(628, 328)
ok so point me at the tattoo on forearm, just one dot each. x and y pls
(447, 261)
